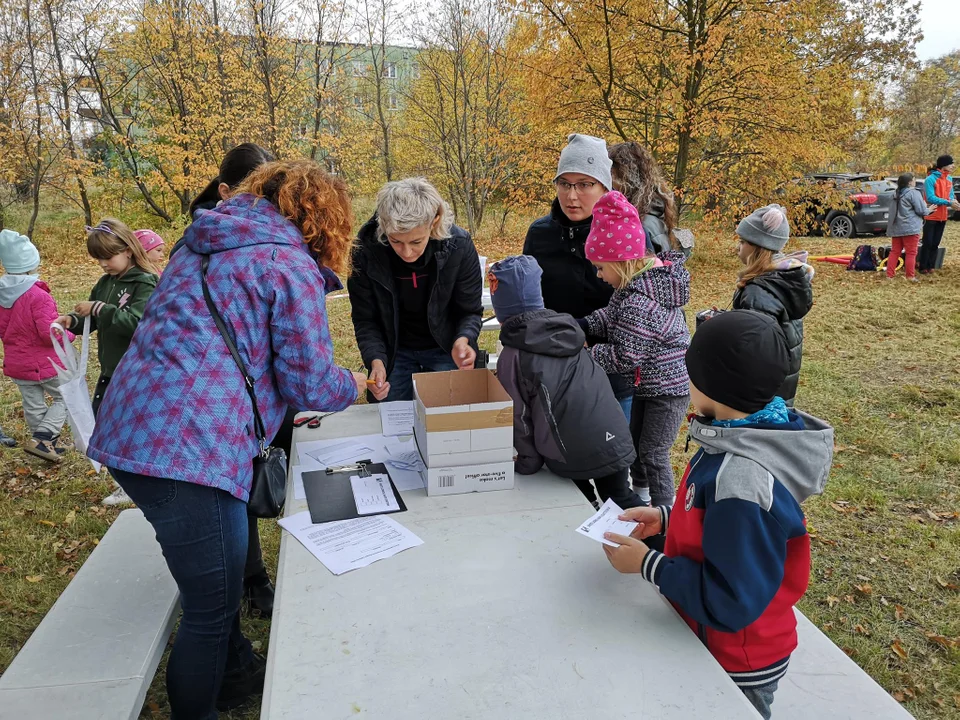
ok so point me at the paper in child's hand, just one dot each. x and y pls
(607, 519)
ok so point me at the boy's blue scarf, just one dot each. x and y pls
(775, 413)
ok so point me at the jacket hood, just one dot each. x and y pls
(793, 260)
(543, 332)
(799, 458)
(138, 275)
(13, 286)
(241, 221)
(667, 285)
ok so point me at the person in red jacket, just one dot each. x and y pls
(26, 310)
(737, 555)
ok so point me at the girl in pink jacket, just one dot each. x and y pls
(26, 310)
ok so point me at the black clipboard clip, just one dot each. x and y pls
(360, 467)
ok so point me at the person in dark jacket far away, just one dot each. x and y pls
(774, 284)
(415, 290)
(737, 555)
(237, 164)
(570, 283)
(564, 413)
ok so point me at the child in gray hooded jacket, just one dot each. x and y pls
(565, 415)
(904, 225)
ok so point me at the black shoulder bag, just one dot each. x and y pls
(268, 491)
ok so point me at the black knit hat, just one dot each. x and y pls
(739, 358)
(943, 161)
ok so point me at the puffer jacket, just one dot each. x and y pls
(564, 412)
(26, 310)
(177, 407)
(645, 330)
(454, 309)
(787, 296)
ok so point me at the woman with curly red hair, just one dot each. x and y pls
(176, 425)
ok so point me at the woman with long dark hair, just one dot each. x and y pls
(236, 165)
(636, 174)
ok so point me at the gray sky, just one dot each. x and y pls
(940, 22)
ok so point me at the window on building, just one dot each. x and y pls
(358, 102)
(415, 70)
(359, 68)
(393, 102)
(390, 71)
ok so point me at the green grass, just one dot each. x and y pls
(880, 364)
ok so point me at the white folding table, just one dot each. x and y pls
(503, 612)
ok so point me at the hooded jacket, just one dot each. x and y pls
(938, 189)
(177, 406)
(645, 330)
(564, 412)
(119, 302)
(26, 310)
(906, 213)
(786, 295)
(454, 308)
(737, 555)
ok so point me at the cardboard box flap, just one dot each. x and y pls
(462, 400)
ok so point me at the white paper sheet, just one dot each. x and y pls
(605, 520)
(339, 451)
(350, 544)
(396, 418)
(373, 494)
(405, 479)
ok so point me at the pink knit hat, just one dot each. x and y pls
(616, 234)
(148, 239)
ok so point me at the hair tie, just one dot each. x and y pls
(102, 227)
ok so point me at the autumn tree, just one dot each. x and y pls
(466, 115)
(732, 96)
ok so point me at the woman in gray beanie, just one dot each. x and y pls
(774, 284)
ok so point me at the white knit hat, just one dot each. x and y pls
(586, 155)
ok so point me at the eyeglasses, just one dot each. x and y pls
(582, 187)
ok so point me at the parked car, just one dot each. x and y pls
(845, 204)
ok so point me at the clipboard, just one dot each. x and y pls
(330, 491)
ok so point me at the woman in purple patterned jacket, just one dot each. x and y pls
(176, 425)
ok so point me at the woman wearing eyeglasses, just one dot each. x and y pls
(570, 283)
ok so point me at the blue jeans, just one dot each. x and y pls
(408, 362)
(203, 534)
(626, 404)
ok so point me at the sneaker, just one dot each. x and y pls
(241, 685)
(63, 448)
(117, 497)
(913, 279)
(6, 440)
(43, 449)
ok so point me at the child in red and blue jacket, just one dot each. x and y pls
(737, 555)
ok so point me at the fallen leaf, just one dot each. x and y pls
(849, 651)
(866, 589)
(947, 585)
(34, 578)
(899, 612)
(849, 598)
(941, 640)
(898, 696)
(933, 516)
(22, 471)
(71, 516)
(900, 651)
(832, 600)
(858, 628)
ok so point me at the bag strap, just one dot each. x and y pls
(247, 380)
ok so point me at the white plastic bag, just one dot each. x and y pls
(73, 385)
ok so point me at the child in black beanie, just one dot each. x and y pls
(737, 555)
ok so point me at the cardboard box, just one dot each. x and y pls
(462, 417)
(469, 478)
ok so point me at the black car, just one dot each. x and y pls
(845, 204)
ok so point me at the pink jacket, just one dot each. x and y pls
(25, 331)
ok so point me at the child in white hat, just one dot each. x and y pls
(26, 311)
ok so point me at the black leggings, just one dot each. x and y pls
(254, 566)
(616, 487)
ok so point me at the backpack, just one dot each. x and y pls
(864, 259)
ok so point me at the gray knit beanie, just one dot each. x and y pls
(767, 228)
(586, 155)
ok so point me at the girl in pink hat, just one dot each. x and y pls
(644, 334)
(152, 245)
